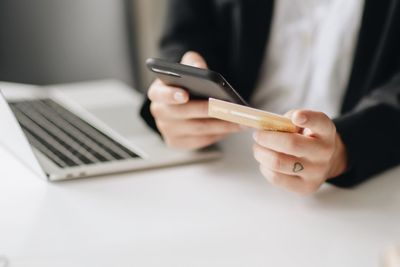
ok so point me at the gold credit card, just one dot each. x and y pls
(251, 117)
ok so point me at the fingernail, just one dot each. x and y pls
(307, 132)
(301, 119)
(194, 64)
(179, 97)
(255, 136)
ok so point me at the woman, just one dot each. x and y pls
(319, 59)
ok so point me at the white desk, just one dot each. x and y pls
(220, 213)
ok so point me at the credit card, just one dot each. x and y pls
(250, 117)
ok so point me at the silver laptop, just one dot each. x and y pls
(58, 139)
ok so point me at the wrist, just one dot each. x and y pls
(339, 159)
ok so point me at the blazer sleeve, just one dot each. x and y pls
(371, 134)
(190, 26)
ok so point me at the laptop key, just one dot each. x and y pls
(65, 138)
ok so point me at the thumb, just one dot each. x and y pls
(194, 59)
(314, 123)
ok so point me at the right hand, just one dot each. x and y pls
(184, 123)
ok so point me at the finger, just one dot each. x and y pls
(194, 59)
(197, 127)
(282, 163)
(159, 92)
(319, 123)
(193, 142)
(296, 145)
(289, 182)
(194, 109)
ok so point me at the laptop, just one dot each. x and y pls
(59, 140)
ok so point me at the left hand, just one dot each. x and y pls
(303, 161)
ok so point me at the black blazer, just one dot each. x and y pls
(232, 36)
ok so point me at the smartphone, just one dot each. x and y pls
(200, 83)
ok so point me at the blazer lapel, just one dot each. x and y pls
(254, 21)
(368, 54)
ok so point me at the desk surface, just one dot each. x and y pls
(221, 213)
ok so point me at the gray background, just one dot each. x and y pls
(59, 41)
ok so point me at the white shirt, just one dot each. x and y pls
(310, 55)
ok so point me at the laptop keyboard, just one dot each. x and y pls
(65, 138)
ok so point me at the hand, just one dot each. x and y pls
(183, 123)
(303, 161)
